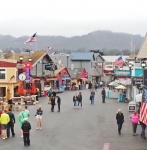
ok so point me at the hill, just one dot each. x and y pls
(102, 40)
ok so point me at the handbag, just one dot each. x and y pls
(90, 97)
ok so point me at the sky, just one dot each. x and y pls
(72, 17)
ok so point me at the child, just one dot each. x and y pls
(38, 115)
(26, 132)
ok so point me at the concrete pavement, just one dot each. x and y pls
(92, 127)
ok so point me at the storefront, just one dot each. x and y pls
(63, 78)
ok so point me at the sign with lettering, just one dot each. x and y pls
(49, 67)
(137, 81)
(144, 94)
(122, 73)
(20, 66)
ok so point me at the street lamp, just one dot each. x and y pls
(21, 58)
(130, 65)
(30, 59)
(143, 63)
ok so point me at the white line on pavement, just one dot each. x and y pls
(106, 146)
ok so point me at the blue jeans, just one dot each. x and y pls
(143, 131)
(92, 100)
(75, 103)
(119, 127)
(103, 98)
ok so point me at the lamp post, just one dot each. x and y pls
(130, 65)
(143, 65)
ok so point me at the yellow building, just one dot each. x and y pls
(8, 77)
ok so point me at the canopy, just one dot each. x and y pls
(21, 89)
(33, 88)
(114, 84)
(120, 87)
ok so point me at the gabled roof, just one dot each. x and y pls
(59, 70)
(81, 56)
(36, 56)
(143, 49)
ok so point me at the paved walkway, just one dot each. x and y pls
(92, 127)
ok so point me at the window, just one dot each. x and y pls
(2, 91)
(2, 73)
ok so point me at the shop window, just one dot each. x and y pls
(2, 91)
(2, 73)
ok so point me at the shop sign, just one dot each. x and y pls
(20, 66)
(49, 67)
(137, 81)
(122, 73)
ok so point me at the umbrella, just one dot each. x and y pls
(33, 88)
(21, 89)
(120, 87)
(113, 83)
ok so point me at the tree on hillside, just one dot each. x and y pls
(97, 51)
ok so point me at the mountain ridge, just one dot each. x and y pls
(100, 39)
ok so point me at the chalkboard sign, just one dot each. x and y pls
(144, 95)
(137, 81)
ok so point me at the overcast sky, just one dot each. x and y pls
(72, 17)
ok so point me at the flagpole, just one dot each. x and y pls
(36, 44)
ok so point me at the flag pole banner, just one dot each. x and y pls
(143, 108)
(31, 39)
(119, 61)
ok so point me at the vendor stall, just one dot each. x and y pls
(122, 94)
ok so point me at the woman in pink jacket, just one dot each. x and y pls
(134, 119)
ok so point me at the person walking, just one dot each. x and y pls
(49, 94)
(27, 111)
(120, 120)
(52, 103)
(103, 95)
(95, 86)
(92, 96)
(75, 99)
(80, 99)
(11, 123)
(90, 86)
(58, 102)
(53, 93)
(143, 127)
(26, 127)
(4, 122)
(38, 115)
(134, 119)
(79, 83)
(21, 117)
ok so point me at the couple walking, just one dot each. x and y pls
(77, 98)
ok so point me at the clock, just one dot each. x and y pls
(22, 77)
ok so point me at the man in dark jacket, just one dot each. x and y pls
(103, 95)
(80, 99)
(120, 120)
(26, 132)
(52, 103)
(58, 102)
(11, 123)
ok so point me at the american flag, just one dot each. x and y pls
(31, 39)
(143, 107)
(119, 61)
